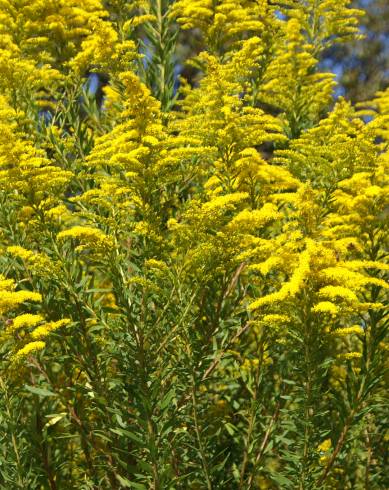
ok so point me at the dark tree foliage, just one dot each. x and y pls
(363, 65)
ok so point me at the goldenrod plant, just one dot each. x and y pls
(193, 273)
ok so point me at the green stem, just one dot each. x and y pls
(198, 436)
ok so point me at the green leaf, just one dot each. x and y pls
(39, 391)
(280, 479)
(127, 433)
(128, 484)
(230, 428)
(54, 418)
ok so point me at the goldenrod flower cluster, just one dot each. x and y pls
(24, 328)
(193, 272)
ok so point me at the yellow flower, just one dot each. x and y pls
(325, 307)
(325, 446)
(350, 356)
(248, 220)
(27, 320)
(44, 330)
(92, 237)
(29, 348)
(20, 252)
(10, 300)
(343, 332)
(333, 292)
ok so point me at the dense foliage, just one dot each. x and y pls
(193, 288)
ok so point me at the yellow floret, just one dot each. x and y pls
(29, 348)
(47, 328)
(26, 320)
